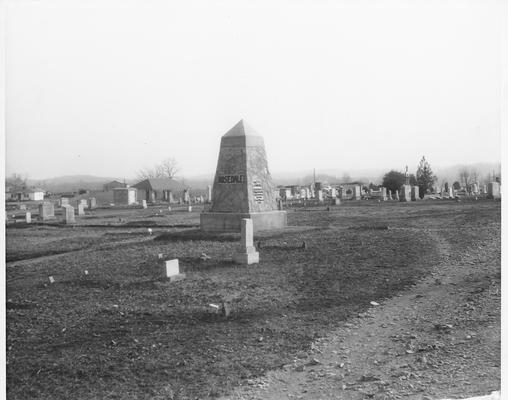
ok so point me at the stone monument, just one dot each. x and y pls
(357, 192)
(405, 190)
(92, 203)
(46, 211)
(493, 190)
(68, 212)
(415, 193)
(243, 186)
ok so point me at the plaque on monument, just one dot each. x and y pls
(243, 186)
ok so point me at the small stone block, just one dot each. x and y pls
(51, 279)
(160, 256)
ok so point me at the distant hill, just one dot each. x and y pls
(72, 183)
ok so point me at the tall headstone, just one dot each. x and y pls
(28, 217)
(92, 203)
(46, 211)
(143, 203)
(357, 192)
(493, 190)
(186, 196)
(320, 195)
(384, 197)
(415, 193)
(397, 197)
(390, 195)
(247, 253)
(450, 191)
(81, 209)
(405, 193)
(243, 186)
(68, 212)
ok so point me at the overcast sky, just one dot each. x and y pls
(107, 87)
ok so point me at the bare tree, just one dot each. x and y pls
(166, 169)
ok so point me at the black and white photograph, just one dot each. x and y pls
(253, 200)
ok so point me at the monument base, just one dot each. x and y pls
(231, 222)
(249, 257)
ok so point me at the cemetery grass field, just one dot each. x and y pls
(124, 332)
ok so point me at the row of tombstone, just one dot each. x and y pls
(47, 210)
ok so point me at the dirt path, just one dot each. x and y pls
(439, 339)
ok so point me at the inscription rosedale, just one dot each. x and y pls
(231, 179)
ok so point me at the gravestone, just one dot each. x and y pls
(320, 195)
(209, 198)
(390, 195)
(383, 194)
(80, 209)
(190, 209)
(357, 192)
(201, 199)
(247, 253)
(450, 192)
(68, 213)
(415, 193)
(143, 203)
(405, 193)
(493, 190)
(186, 196)
(243, 186)
(84, 202)
(397, 197)
(333, 192)
(92, 203)
(46, 211)
(64, 201)
(28, 217)
(172, 270)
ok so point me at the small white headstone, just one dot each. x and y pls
(169, 208)
(86, 272)
(51, 279)
(172, 268)
(144, 204)
(28, 217)
(160, 256)
(190, 208)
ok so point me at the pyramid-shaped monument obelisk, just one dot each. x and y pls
(243, 186)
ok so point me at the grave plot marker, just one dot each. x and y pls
(247, 253)
(172, 270)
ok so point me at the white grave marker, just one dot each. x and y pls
(173, 270)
